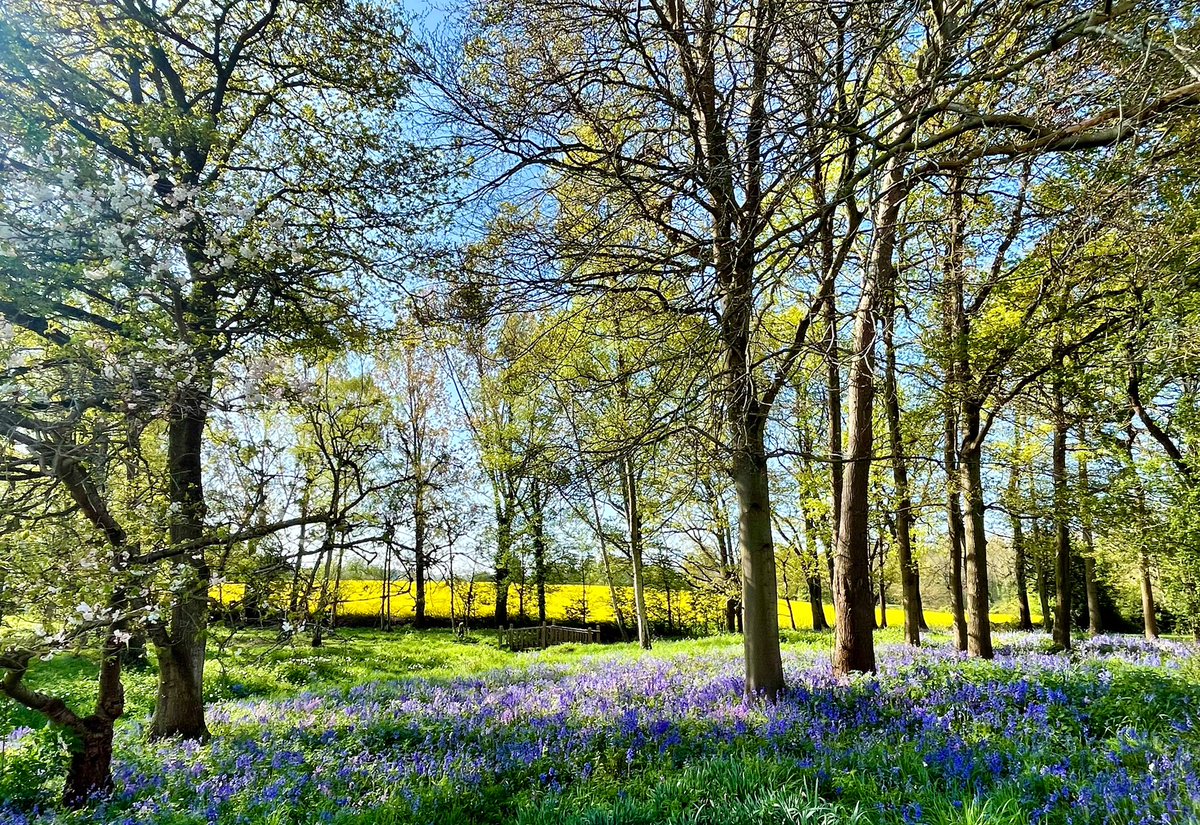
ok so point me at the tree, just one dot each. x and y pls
(262, 208)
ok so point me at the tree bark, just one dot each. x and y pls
(760, 607)
(954, 330)
(816, 600)
(179, 708)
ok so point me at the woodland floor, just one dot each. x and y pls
(421, 728)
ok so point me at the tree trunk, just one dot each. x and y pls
(1020, 563)
(1062, 532)
(833, 389)
(854, 646)
(920, 606)
(1024, 617)
(954, 329)
(1095, 622)
(760, 605)
(419, 556)
(503, 554)
(89, 773)
(539, 552)
(910, 596)
(979, 623)
(179, 708)
(633, 517)
(816, 596)
(1149, 620)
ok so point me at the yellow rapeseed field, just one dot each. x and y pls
(360, 603)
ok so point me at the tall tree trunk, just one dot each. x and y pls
(955, 531)
(1149, 619)
(979, 622)
(854, 647)
(1095, 622)
(1020, 563)
(833, 390)
(854, 644)
(909, 588)
(1062, 532)
(179, 707)
(633, 517)
(954, 330)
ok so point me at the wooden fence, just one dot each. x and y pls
(542, 636)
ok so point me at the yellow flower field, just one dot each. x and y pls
(359, 602)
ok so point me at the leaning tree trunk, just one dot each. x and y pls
(179, 708)
(633, 517)
(1062, 533)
